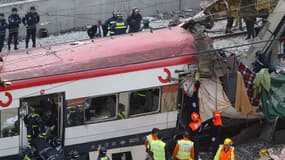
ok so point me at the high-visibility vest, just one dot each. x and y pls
(149, 139)
(184, 150)
(104, 158)
(221, 155)
(120, 25)
(195, 125)
(146, 30)
(158, 149)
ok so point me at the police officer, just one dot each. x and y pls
(35, 126)
(120, 26)
(109, 22)
(158, 149)
(14, 22)
(103, 154)
(184, 149)
(3, 27)
(31, 20)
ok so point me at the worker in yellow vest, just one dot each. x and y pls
(226, 151)
(158, 149)
(149, 138)
(184, 149)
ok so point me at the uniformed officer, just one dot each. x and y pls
(120, 26)
(3, 27)
(184, 149)
(31, 20)
(158, 149)
(14, 22)
(35, 126)
(109, 22)
(103, 154)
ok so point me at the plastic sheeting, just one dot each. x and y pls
(274, 101)
(213, 98)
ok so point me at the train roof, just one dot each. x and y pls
(109, 55)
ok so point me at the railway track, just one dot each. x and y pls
(223, 36)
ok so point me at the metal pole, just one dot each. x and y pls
(180, 5)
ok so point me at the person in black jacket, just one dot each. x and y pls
(3, 27)
(134, 21)
(14, 22)
(97, 30)
(31, 20)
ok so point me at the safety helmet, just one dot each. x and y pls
(228, 141)
(56, 141)
(195, 116)
(216, 114)
(103, 150)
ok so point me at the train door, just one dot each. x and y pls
(50, 109)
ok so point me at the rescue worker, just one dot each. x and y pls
(31, 20)
(134, 21)
(103, 154)
(120, 26)
(158, 149)
(226, 151)
(97, 30)
(146, 27)
(35, 126)
(109, 22)
(149, 138)
(194, 130)
(184, 149)
(14, 22)
(28, 153)
(216, 130)
(3, 27)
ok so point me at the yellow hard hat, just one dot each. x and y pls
(228, 141)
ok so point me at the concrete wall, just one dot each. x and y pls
(62, 15)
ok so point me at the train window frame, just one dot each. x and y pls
(16, 114)
(86, 122)
(147, 113)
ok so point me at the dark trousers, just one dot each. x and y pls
(250, 29)
(13, 35)
(31, 33)
(230, 22)
(2, 38)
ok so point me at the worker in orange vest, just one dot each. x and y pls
(226, 151)
(216, 130)
(194, 130)
(184, 149)
(149, 138)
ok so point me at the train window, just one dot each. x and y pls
(75, 111)
(144, 101)
(100, 108)
(87, 110)
(9, 123)
(122, 156)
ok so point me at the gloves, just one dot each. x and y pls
(213, 139)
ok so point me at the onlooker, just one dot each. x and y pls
(134, 21)
(3, 27)
(31, 20)
(120, 26)
(97, 30)
(14, 22)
